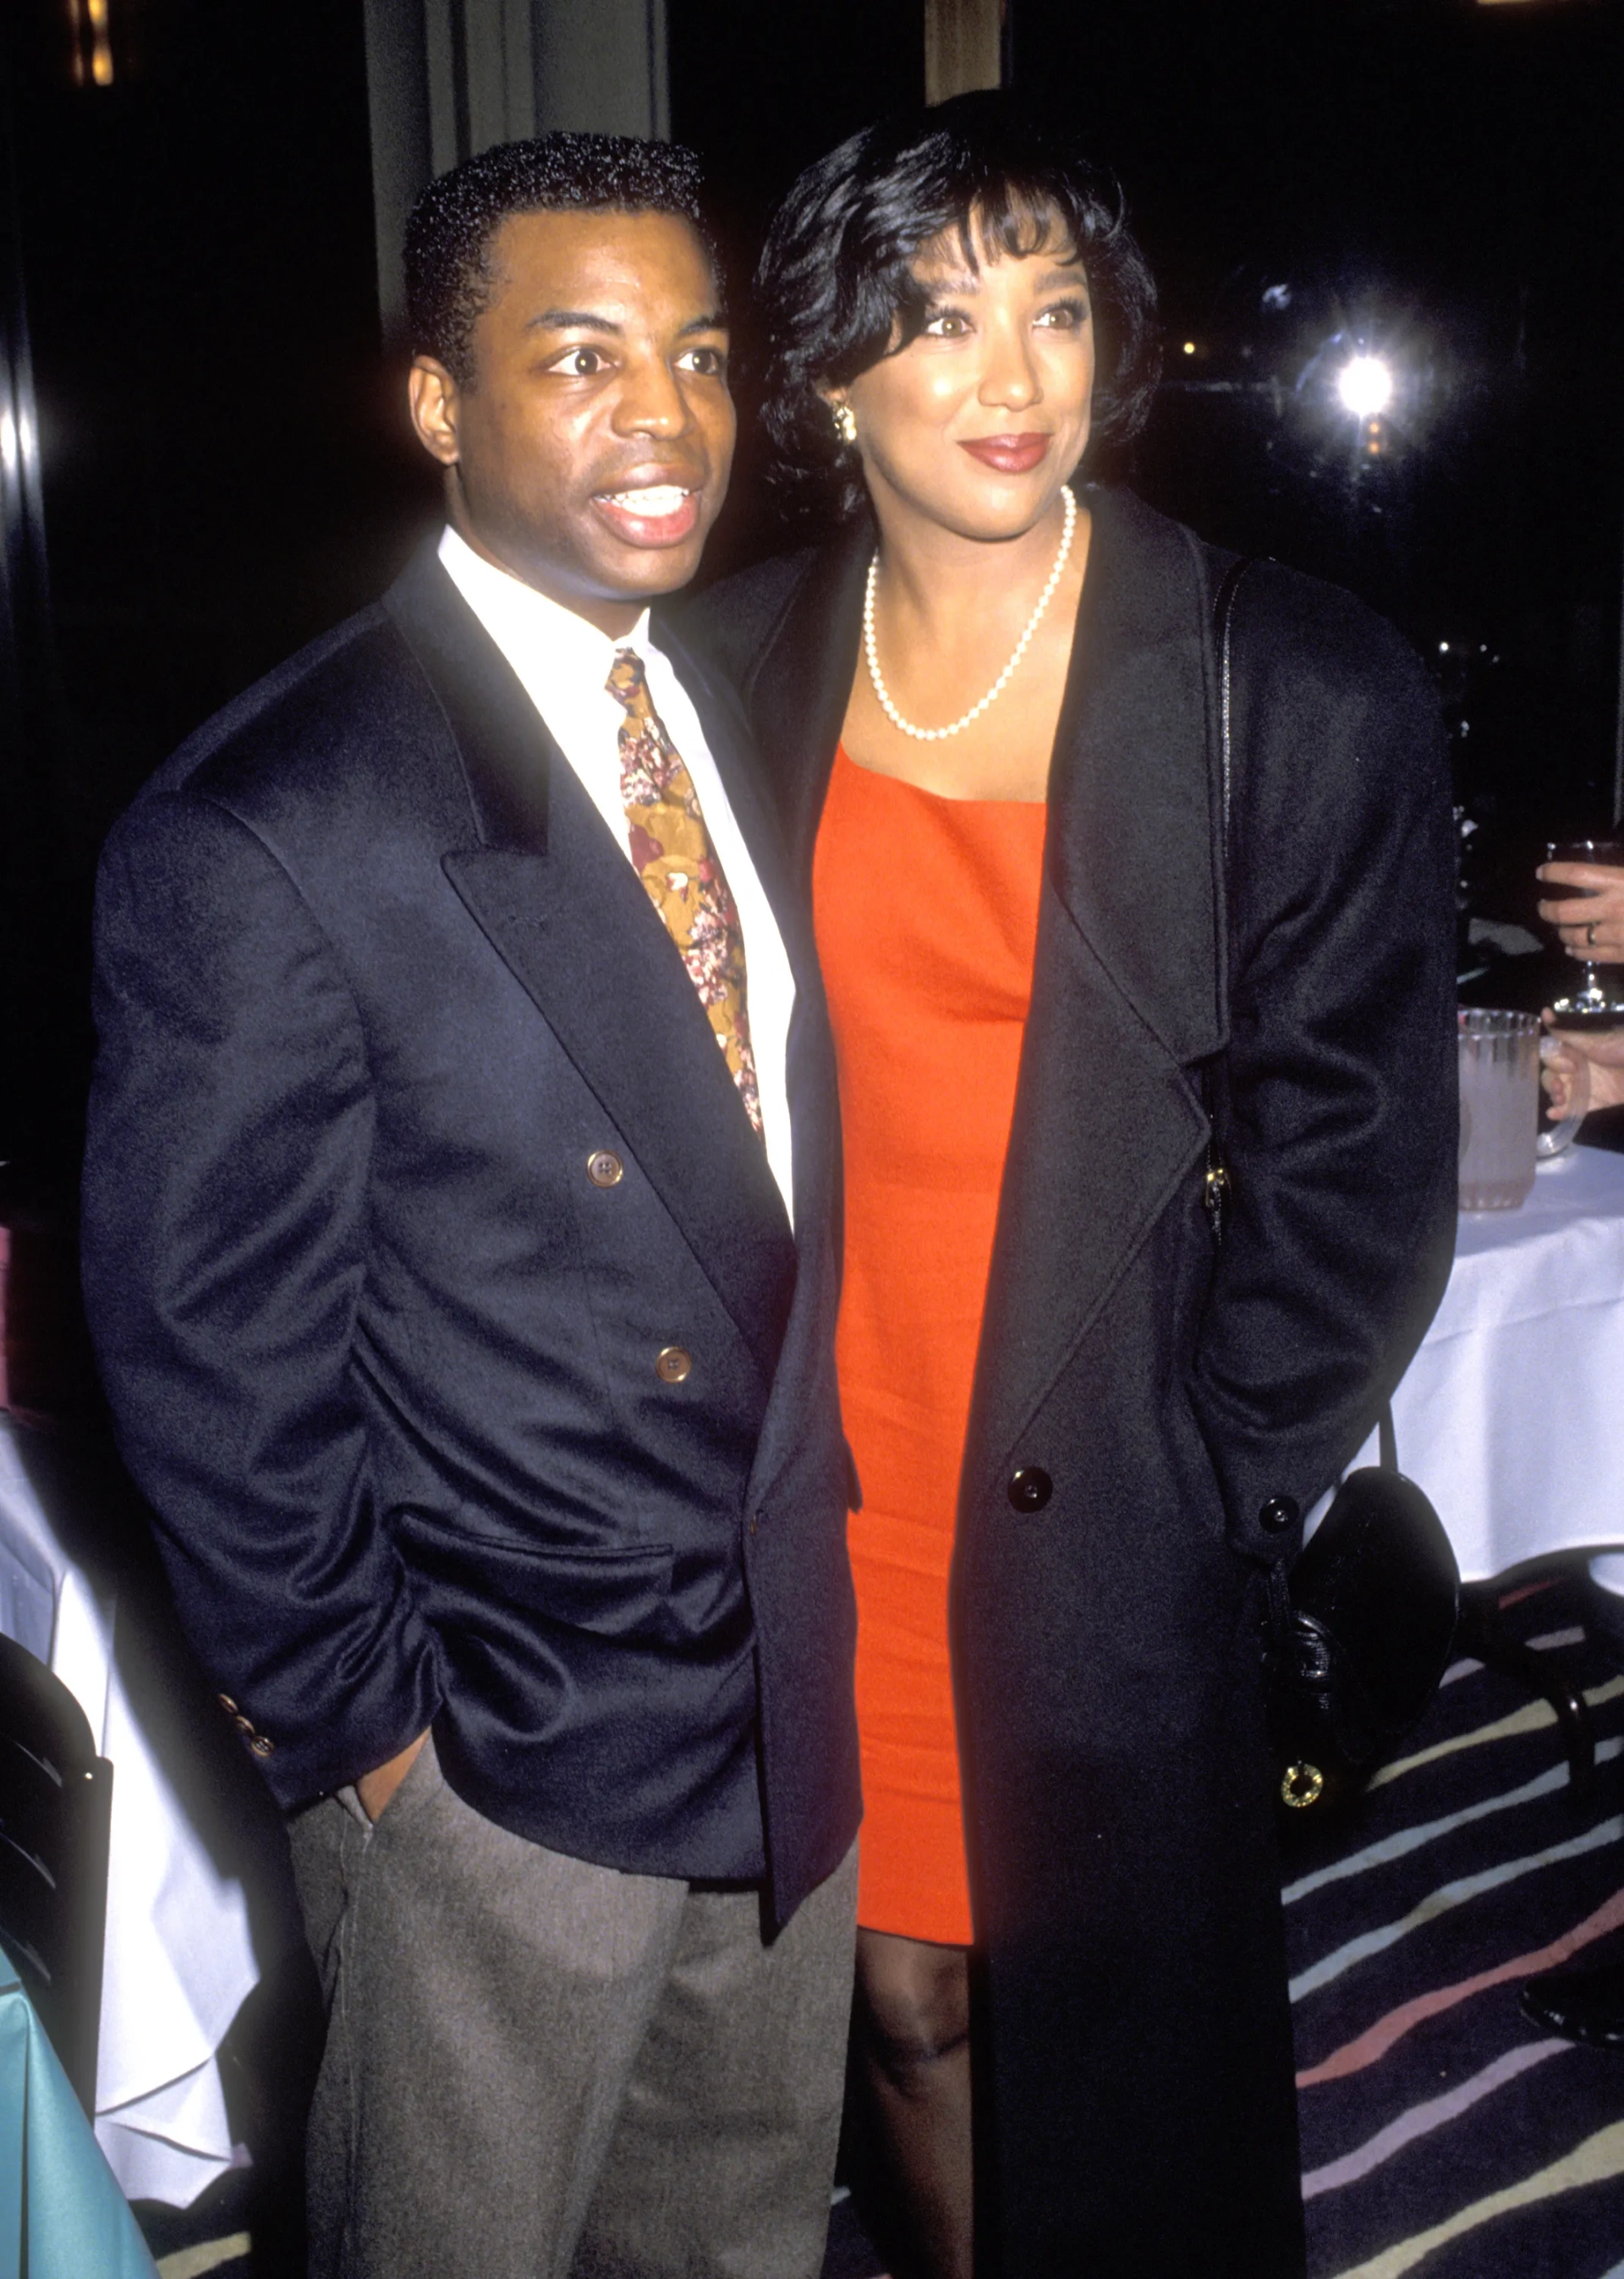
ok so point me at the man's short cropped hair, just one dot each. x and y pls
(450, 234)
(835, 291)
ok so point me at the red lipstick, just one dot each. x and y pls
(1010, 455)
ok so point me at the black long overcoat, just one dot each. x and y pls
(1135, 2070)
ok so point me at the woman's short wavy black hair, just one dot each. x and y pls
(451, 230)
(835, 290)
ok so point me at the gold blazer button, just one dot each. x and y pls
(604, 1167)
(673, 1363)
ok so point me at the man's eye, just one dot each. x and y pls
(579, 364)
(710, 363)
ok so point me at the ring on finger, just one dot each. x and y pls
(1590, 935)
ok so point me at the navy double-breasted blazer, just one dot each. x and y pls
(373, 984)
(1137, 2117)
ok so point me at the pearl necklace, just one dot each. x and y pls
(935, 735)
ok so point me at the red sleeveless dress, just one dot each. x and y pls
(926, 911)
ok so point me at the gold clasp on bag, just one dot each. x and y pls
(1303, 1785)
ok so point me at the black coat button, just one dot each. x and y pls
(1031, 1488)
(1278, 1513)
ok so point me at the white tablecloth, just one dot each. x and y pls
(1511, 1416)
(180, 1959)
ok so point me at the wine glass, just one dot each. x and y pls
(1595, 1006)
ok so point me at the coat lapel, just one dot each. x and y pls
(1126, 989)
(1129, 817)
(1134, 848)
(562, 907)
(798, 693)
(1126, 992)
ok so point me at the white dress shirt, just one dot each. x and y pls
(563, 664)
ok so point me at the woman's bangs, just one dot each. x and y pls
(1011, 220)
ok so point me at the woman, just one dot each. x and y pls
(1585, 901)
(991, 703)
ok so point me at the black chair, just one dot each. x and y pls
(1482, 1633)
(56, 1799)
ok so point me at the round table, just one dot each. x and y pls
(180, 1957)
(1511, 1416)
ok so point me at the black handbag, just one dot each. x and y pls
(1360, 1626)
(1359, 1631)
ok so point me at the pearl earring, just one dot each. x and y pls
(845, 423)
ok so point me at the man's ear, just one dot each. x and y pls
(435, 401)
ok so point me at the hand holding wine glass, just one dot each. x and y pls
(1585, 904)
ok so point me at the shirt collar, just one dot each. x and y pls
(520, 620)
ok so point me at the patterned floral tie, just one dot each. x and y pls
(679, 868)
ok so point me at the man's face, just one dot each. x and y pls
(590, 456)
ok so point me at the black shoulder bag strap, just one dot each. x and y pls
(1215, 1072)
(1358, 1642)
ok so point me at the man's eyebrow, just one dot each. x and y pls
(571, 320)
(589, 320)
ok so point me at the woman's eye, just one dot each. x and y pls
(1065, 317)
(947, 325)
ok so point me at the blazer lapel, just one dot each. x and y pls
(1126, 990)
(809, 1071)
(731, 747)
(562, 907)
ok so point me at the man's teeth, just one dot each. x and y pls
(658, 500)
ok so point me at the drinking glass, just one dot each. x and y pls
(1500, 1137)
(1595, 1006)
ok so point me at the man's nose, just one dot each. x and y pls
(651, 402)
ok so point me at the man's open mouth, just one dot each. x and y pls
(653, 514)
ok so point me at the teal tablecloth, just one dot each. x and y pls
(62, 2216)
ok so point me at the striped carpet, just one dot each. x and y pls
(1444, 2134)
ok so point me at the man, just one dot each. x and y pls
(458, 1245)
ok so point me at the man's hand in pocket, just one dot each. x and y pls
(376, 1788)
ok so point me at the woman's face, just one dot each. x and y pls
(976, 423)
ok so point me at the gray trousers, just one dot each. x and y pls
(536, 2068)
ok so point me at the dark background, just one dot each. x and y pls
(227, 468)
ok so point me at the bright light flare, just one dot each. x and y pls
(1364, 385)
